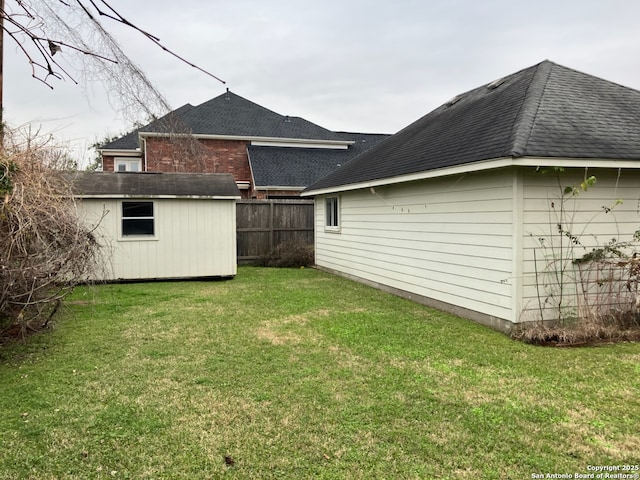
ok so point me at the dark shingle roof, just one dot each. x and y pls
(546, 110)
(300, 167)
(233, 115)
(154, 184)
(171, 121)
(230, 114)
(128, 142)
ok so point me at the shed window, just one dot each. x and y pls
(332, 213)
(137, 218)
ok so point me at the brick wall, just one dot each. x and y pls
(107, 164)
(206, 156)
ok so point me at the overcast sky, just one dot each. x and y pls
(349, 65)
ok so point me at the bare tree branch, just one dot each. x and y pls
(44, 248)
(120, 19)
(70, 30)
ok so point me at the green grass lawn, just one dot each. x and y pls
(300, 374)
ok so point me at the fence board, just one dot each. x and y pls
(264, 224)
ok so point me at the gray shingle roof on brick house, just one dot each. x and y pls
(228, 115)
(300, 167)
(546, 110)
(130, 140)
(231, 114)
(92, 184)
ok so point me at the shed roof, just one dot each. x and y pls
(127, 184)
(546, 110)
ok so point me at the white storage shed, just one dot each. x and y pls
(161, 225)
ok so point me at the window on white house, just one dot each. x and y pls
(332, 213)
(127, 165)
(137, 218)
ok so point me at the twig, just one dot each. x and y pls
(120, 19)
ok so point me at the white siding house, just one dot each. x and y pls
(161, 226)
(465, 209)
(470, 244)
(449, 240)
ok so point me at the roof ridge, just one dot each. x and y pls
(256, 107)
(526, 116)
(228, 94)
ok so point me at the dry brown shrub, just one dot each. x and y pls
(621, 327)
(289, 255)
(45, 250)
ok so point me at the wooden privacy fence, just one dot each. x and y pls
(261, 225)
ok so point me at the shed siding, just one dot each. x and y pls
(447, 239)
(584, 217)
(194, 238)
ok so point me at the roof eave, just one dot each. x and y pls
(483, 166)
(103, 196)
(278, 187)
(249, 138)
(123, 152)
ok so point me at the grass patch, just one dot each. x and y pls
(300, 374)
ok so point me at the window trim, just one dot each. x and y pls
(140, 236)
(127, 161)
(332, 220)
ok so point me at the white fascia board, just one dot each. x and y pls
(121, 153)
(276, 187)
(305, 144)
(482, 166)
(577, 162)
(154, 197)
(266, 140)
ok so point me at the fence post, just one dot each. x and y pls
(271, 226)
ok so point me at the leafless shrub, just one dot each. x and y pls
(585, 295)
(45, 250)
(289, 255)
(608, 305)
(584, 332)
(609, 287)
